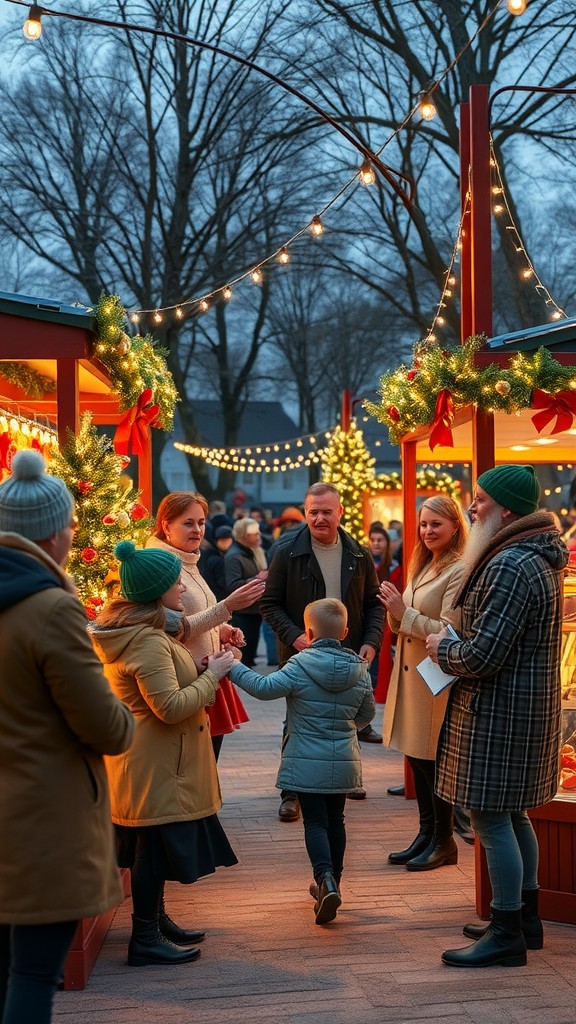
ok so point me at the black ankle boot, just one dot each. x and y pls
(419, 844)
(328, 901)
(502, 945)
(531, 923)
(172, 932)
(437, 853)
(148, 946)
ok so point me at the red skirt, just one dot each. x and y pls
(228, 711)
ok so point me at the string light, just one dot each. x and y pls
(316, 226)
(517, 7)
(32, 27)
(179, 312)
(203, 305)
(450, 280)
(367, 174)
(157, 317)
(529, 271)
(256, 275)
(284, 256)
(227, 293)
(242, 459)
(427, 107)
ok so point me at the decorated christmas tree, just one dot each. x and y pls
(347, 463)
(107, 509)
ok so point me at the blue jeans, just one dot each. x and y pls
(31, 964)
(511, 854)
(324, 831)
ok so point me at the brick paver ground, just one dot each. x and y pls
(265, 960)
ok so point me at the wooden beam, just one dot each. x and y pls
(68, 392)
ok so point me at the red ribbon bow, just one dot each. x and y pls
(133, 430)
(443, 418)
(562, 405)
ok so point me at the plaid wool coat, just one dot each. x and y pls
(498, 747)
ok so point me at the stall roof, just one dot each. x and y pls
(560, 335)
(48, 310)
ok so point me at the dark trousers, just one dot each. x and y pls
(147, 888)
(435, 814)
(31, 964)
(250, 626)
(324, 831)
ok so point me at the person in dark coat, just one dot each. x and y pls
(211, 561)
(244, 561)
(314, 561)
(498, 748)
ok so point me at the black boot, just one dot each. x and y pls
(172, 932)
(531, 923)
(438, 852)
(314, 888)
(148, 946)
(329, 899)
(418, 845)
(503, 944)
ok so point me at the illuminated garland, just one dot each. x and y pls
(410, 394)
(32, 383)
(426, 480)
(252, 458)
(348, 465)
(133, 363)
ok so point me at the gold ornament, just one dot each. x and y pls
(502, 387)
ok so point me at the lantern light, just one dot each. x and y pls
(32, 27)
(367, 175)
(427, 108)
(316, 226)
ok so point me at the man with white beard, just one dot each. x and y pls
(498, 749)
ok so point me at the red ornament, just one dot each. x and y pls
(393, 413)
(411, 374)
(138, 512)
(85, 486)
(126, 460)
(441, 432)
(91, 614)
(109, 519)
(89, 555)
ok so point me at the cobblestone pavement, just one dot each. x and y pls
(265, 959)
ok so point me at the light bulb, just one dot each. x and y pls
(135, 318)
(284, 255)
(203, 305)
(157, 317)
(32, 27)
(179, 312)
(517, 7)
(316, 226)
(256, 275)
(227, 292)
(427, 108)
(367, 175)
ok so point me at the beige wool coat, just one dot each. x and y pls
(169, 773)
(413, 716)
(58, 717)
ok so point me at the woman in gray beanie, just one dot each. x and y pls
(57, 858)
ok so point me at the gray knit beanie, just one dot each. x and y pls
(33, 503)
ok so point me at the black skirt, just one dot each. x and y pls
(181, 851)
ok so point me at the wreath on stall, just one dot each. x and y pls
(443, 379)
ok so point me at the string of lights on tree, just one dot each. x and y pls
(501, 205)
(366, 175)
(442, 379)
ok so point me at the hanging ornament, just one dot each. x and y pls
(411, 374)
(89, 555)
(502, 387)
(92, 605)
(123, 346)
(123, 519)
(441, 432)
(109, 519)
(85, 486)
(126, 460)
(393, 413)
(138, 512)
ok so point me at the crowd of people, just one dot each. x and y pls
(122, 769)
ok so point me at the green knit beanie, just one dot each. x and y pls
(513, 487)
(146, 573)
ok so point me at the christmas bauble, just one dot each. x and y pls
(109, 519)
(85, 486)
(123, 519)
(138, 512)
(411, 374)
(393, 413)
(502, 387)
(89, 555)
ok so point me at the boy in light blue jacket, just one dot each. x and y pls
(329, 698)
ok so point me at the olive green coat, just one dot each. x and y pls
(413, 716)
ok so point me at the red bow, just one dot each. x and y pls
(562, 405)
(133, 430)
(443, 418)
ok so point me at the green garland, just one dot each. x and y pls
(426, 480)
(133, 363)
(32, 383)
(408, 394)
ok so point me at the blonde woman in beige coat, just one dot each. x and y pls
(413, 716)
(164, 790)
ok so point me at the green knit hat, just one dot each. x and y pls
(513, 487)
(146, 573)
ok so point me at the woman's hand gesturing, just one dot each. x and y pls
(391, 599)
(246, 595)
